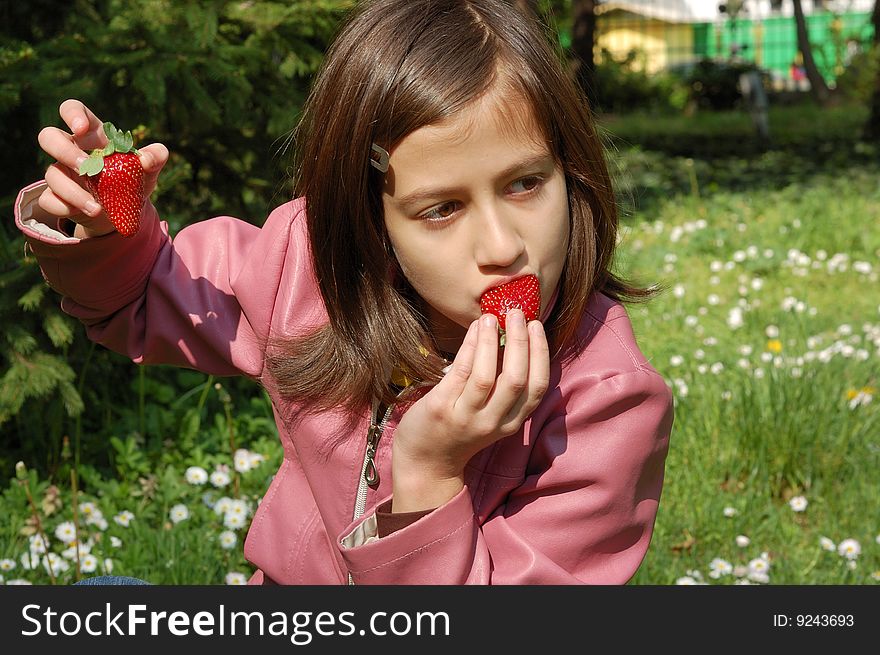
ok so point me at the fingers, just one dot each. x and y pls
(153, 159)
(514, 378)
(87, 128)
(453, 383)
(524, 378)
(65, 196)
(60, 146)
(482, 379)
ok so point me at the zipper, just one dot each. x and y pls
(369, 472)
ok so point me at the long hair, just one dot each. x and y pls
(396, 66)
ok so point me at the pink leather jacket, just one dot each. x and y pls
(570, 499)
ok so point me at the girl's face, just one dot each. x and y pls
(472, 202)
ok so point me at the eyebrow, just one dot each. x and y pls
(427, 193)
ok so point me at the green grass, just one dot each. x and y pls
(748, 442)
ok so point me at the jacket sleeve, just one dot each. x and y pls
(584, 512)
(203, 301)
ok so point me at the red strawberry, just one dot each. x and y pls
(116, 178)
(523, 292)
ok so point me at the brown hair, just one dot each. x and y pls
(396, 66)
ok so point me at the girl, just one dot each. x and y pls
(442, 152)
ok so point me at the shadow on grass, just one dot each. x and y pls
(654, 158)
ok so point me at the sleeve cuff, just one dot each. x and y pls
(388, 522)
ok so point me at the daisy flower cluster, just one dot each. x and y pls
(762, 348)
(56, 556)
(234, 513)
(757, 569)
(849, 549)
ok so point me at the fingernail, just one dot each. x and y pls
(78, 125)
(516, 317)
(92, 208)
(488, 320)
(80, 160)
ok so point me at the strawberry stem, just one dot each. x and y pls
(117, 141)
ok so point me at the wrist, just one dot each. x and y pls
(82, 232)
(416, 487)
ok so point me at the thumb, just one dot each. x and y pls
(153, 159)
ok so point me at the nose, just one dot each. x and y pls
(498, 242)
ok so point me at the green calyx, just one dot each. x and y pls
(116, 142)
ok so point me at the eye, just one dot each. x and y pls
(527, 184)
(440, 212)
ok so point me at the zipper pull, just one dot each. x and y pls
(371, 473)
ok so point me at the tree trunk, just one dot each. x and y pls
(582, 44)
(818, 87)
(872, 127)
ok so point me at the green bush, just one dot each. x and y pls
(859, 78)
(622, 85)
(715, 84)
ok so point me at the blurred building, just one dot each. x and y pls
(655, 35)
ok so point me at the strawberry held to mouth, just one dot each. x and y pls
(523, 293)
(116, 178)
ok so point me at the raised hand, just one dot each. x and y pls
(473, 406)
(67, 194)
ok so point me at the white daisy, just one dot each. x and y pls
(196, 475)
(849, 548)
(227, 539)
(798, 503)
(88, 563)
(233, 521)
(37, 545)
(18, 581)
(222, 505)
(239, 508)
(742, 541)
(242, 460)
(108, 566)
(88, 509)
(124, 518)
(758, 565)
(95, 517)
(66, 532)
(7, 564)
(235, 578)
(116, 542)
(56, 562)
(686, 580)
(719, 567)
(179, 513)
(730, 511)
(219, 478)
(827, 544)
(70, 553)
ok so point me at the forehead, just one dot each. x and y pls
(500, 125)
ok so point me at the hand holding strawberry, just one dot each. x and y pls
(481, 399)
(116, 177)
(72, 195)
